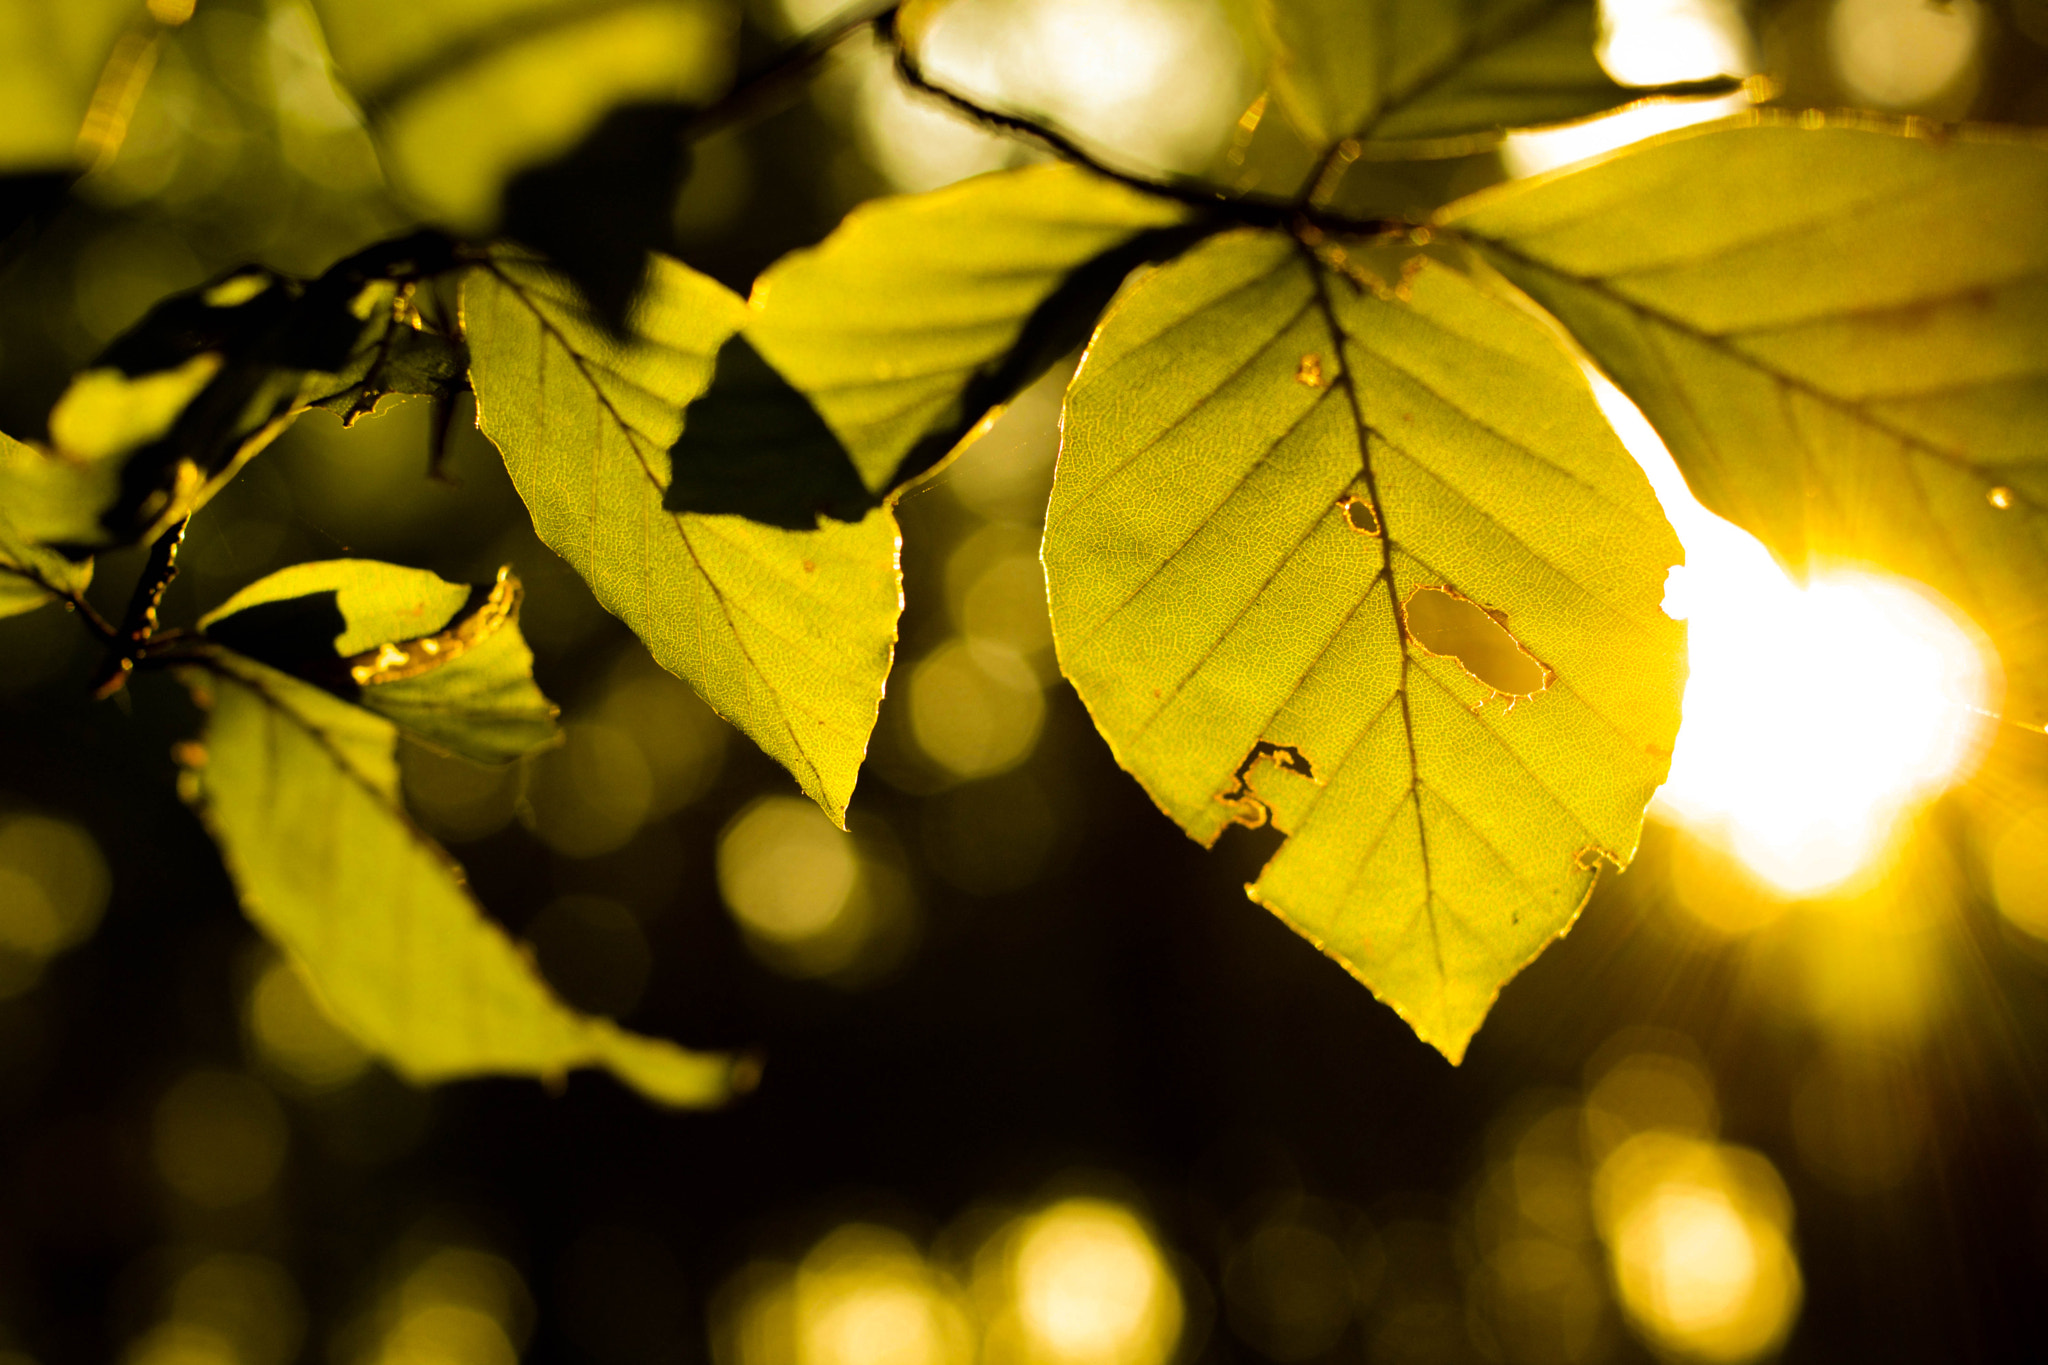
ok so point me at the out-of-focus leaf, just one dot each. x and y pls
(31, 573)
(1327, 59)
(1343, 542)
(300, 789)
(395, 359)
(465, 94)
(181, 401)
(1438, 77)
(444, 660)
(1840, 331)
(52, 53)
(788, 634)
(901, 331)
(597, 210)
(914, 19)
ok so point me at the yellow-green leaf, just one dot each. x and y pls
(300, 789)
(173, 409)
(444, 660)
(920, 313)
(31, 573)
(1326, 62)
(465, 93)
(787, 634)
(1841, 332)
(52, 53)
(1304, 505)
(1437, 77)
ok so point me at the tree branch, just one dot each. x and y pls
(1253, 210)
(758, 87)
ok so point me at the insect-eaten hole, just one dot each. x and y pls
(1447, 624)
(1251, 811)
(1359, 514)
(1589, 858)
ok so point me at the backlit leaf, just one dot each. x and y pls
(1343, 542)
(1840, 331)
(903, 329)
(51, 57)
(1326, 62)
(178, 403)
(444, 660)
(31, 573)
(300, 789)
(787, 634)
(1437, 77)
(464, 94)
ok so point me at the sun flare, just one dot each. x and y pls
(1818, 718)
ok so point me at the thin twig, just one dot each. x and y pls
(1253, 210)
(138, 623)
(102, 629)
(755, 89)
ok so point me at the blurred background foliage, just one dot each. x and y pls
(1040, 1086)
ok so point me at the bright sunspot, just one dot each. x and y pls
(1817, 719)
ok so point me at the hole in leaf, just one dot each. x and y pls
(1252, 812)
(1359, 513)
(1455, 627)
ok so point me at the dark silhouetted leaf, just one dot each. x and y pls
(754, 446)
(208, 378)
(597, 210)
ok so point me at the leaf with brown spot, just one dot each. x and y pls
(1242, 643)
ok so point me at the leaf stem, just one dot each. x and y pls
(139, 622)
(101, 628)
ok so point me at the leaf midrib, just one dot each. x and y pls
(1319, 284)
(634, 438)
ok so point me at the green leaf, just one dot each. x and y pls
(787, 634)
(1326, 62)
(31, 573)
(51, 57)
(392, 359)
(899, 332)
(444, 660)
(1840, 331)
(1438, 77)
(300, 789)
(463, 95)
(179, 403)
(1364, 559)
